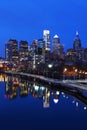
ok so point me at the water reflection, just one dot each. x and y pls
(11, 88)
(3, 78)
(15, 87)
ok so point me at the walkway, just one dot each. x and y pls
(67, 83)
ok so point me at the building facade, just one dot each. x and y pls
(77, 42)
(46, 38)
(23, 51)
(11, 50)
(58, 48)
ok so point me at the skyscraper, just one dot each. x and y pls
(11, 50)
(77, 42)
(57, 46)
(46, 38)
(23, 50)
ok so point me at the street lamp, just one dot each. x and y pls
(49, 66)
(64, 71)
(75, 73)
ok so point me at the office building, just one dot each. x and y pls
(77, 42)
(23, 51)
(11, 50)
(58, 48)
(46, 38)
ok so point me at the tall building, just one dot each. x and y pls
(55, 43)
(11, 50)
(46, 38)
(77, 42)
(37, 52)
(23, 51)
(41, 46)
(78, 53)
(58, 48)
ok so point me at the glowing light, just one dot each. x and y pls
(57, 92)
(56, 36)
(36, 88)
(62, 93)
(42, 88)
(85, 108)
(50, 65)
(77, 33)
(55, 101)
(77, 104)
(65, 69)
(73, 101)
(76, 70)
(46, 32)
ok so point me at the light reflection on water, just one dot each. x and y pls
(15, 87)
(34, 105)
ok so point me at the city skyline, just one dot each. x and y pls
(51, 44)
(25, 20)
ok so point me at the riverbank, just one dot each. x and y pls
(79, 84)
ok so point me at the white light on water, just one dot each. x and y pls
(55, 101)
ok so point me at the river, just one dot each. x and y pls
(29, 105)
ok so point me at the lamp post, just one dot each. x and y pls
(50, 66)
(75, 73)
(64, 71)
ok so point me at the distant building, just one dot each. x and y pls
(58, 48)
(37, 52)
(41, 50)
(46, 38)
(77, 53)
(23, 51)
(11, 50)
(77, 42)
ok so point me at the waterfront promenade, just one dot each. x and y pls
(80, 84)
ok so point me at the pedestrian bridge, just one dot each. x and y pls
(80, 84)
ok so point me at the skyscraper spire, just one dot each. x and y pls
(77, 42)
(77, 33)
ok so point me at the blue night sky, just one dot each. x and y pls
(26, 20)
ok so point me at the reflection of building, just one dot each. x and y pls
(3, 78)
(46, 38)
(37, 91)
(11, 89)
(11, 50)
(23, 88)
(46, 99)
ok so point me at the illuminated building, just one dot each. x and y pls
(77, 42)
(41, 51)
(11, 50)
(23, 50)
(46, 38)
(77, 53)
(37, 52)
(58, 48)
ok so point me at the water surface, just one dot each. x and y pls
(29, 105)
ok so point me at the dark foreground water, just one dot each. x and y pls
(26, 105)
